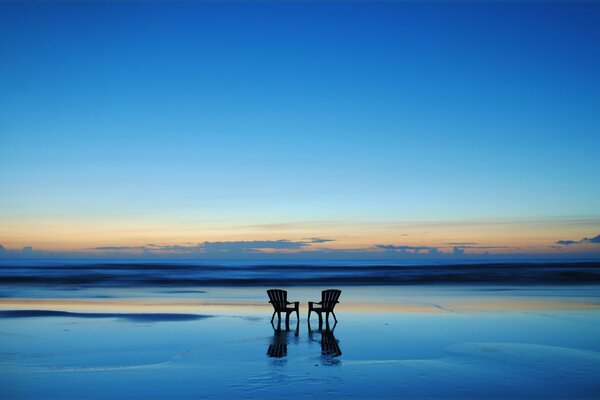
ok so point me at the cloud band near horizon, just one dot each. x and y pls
(313, 245)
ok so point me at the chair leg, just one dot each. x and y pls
(320, 320)
(273, 316)
(287, 320)
(334, 318)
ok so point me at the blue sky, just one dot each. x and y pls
(124, 124)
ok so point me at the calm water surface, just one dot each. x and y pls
(217, 342)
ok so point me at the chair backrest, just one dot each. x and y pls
(278, 298)
(329, 298)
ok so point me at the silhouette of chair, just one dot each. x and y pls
(278, 299)
(329, 298)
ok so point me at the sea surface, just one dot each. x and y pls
(75, 329)
(129, 274)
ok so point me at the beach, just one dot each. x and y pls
(392, 341)
(169, 168)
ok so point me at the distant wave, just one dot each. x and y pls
(188, 275)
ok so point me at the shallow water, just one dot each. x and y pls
(455, 342)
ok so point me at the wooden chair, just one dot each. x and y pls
(329, 298)
(278, 299)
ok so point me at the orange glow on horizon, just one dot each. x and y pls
(500, 236)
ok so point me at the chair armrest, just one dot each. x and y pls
(314, 302)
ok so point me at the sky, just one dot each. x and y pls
(335, 129)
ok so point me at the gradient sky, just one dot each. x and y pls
(423, 125)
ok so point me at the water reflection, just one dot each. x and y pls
(330, 346)
(279, 341)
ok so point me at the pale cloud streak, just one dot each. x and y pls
(205, 247)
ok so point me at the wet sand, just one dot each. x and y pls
(451, 342)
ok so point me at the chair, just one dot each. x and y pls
(278, 299)
(329, 298)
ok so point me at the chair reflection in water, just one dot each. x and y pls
(330, 346)
(278, 299)
(329, 298)
(278, 346)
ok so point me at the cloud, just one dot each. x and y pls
(217, 247)
(566, 242)
(434, 250)
(253, 245)
(24, 252)
(119, 248)
(458, 251)
(461, 243)
(593, 240)
(318, 240)
(483, 247)
(403, 248)
(461, 246)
